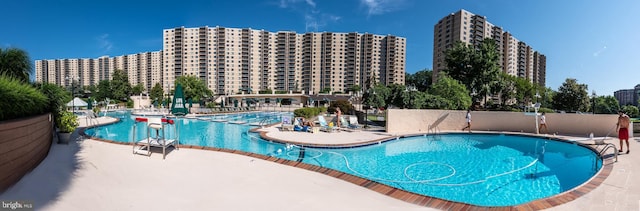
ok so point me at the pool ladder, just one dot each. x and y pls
(264, 121)
(606, 147)
(433, 130)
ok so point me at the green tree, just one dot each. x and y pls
(453, 91)
(606, 105)
(546, 97)
(436, 102)
(354, 88)
(525, 91)
(414, 99)
(395, 96)
(91, 88)
(421, 80)
(507, 88)
(137, 89)
(120, 85)
(103, 90)
(486, 67)
(15, 63)
(476, 67)
(572, 96)
(156, 93)
(376, 96)
(193, 88)
(57, 97)
(630, 110)
(326, 90)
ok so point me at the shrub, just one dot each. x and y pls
(282, 92)
(267, 91)
(211, 105)
(20, 99)
(309, 112)
(345, 106)
(57, 97)
(67, 122)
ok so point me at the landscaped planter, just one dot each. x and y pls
(64, 138)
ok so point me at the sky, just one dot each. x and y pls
(595, 42)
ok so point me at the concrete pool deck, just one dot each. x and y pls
(94, 175)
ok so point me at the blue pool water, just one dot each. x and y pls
(479, 169)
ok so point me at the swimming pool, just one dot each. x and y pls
(478, 169)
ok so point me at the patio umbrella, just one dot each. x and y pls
(178, 107)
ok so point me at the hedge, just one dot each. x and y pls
(309, 112)
(20, 99)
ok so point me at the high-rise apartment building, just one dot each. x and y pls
(142, 68)
(628, 96)
(516, 57)
(230, 60)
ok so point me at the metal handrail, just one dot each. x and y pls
(607, 146)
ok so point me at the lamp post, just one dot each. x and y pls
(593, 98)
(73, 92)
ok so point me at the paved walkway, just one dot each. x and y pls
(340, 138)
(94, 175)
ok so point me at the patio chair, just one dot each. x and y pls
(287, 125)
(353, 120)
(324, 126)
(347, 125)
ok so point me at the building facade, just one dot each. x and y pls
(628, 96)
(141, 68)
(516, 57)
(231, 60)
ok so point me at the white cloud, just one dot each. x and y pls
(314, 19)
(311, 24)
(334, 18)
(104, 43)
(290, 3)
(311, 3)
(378, 7)
(597, 53)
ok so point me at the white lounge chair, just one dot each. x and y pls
(324, 126)
(287, 125)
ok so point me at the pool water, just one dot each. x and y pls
(478, 169)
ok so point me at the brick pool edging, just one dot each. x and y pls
(403, 195)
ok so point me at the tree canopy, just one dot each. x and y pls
(475, 67)
(156, 93)
(630, 110)
(194, 88)
(103, 90)
(376, 96)
(453, 91)
(606, 105)
(137, 89)
(15, 63)
(572, 96)
(421, 80)
(120, 86)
